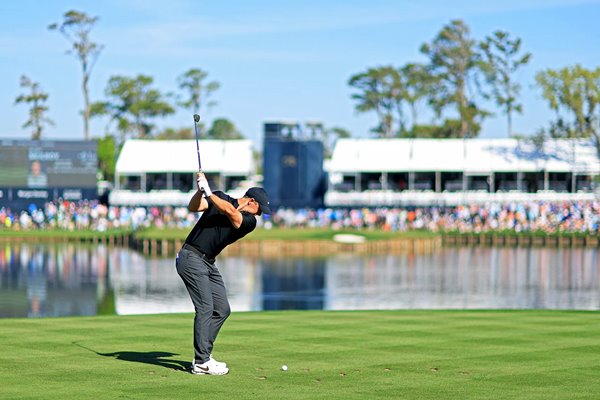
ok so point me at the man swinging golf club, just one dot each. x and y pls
(224, 220)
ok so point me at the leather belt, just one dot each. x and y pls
(198, 252)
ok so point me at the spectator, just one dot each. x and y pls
(519, 217)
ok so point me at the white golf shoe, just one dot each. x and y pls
(211, 367)
(219, 363)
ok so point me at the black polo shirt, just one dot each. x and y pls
(214, 231)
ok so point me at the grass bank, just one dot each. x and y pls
(333, 355)
(299, 235)
(83, 234)
(180, 234)
(291, 234)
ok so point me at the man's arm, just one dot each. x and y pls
(223, 206)
(228, 210)
(198, 203)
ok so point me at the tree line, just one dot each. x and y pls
(461, 76)
(131, 104)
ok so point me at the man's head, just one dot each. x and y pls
(259, 196)
(36, 168)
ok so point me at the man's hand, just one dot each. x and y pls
(203, 184)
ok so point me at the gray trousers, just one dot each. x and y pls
(207, 291)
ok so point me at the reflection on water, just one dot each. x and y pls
(293, 284)
(39, 280)
(53, 280)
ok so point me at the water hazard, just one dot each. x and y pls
(42, 280)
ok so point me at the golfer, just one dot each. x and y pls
(224, 220)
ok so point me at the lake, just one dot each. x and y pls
(48, 280)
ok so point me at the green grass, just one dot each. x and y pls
(331, 355)
(61, 233)
(181, 234)
(266, 234)
(291, 234)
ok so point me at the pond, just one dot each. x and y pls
(46, 280)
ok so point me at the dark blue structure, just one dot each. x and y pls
(293, 284)
(292, 167)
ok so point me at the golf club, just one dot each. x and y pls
(196, 120)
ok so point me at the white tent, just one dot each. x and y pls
(391, 172)
(468, 156)
(147, 162)
(228, 157)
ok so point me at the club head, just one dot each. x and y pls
(196, 118)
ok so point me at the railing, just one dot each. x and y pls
(524, 239)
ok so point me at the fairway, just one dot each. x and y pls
(331, 355)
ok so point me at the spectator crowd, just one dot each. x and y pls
(519, 217)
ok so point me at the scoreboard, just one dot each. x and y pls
(36, 171)
(35, 164)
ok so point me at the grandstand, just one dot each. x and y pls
(422, 172)
(374, 172)
(161, 172)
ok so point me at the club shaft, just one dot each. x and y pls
(197, 143)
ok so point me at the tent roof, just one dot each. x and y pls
(229, 157)
(470, 155)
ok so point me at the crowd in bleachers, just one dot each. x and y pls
(519, 217)
(532, 216)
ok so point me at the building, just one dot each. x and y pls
(361, 172)
(392, 172)
(162, 172)
(293, 164)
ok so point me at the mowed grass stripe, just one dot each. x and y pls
(338, 355)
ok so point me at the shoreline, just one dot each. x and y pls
(312, 243)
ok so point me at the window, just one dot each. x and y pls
(232, 182)
(478, 182)
(424, 181)
(184, 182)
(131, 182)
(398, 181)
(156, 181)
(452, 181)
(370, 181)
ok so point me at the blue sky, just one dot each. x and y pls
(274, 59)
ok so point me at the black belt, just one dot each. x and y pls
(195, 250)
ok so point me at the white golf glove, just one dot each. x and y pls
(203, 186)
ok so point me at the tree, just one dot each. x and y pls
(418, 83)
(196, 90)
(223, 129)
(175, 134)
(332, 135)
(380, 90)
(454, 65)
(450, 128)
(328, 136)
(106, 157)
(36, 100)
(340, 133)
(573, 93)
(501, 60)
(132, 103)
(76, 27)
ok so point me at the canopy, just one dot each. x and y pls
(471, 156)
(228, 157)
